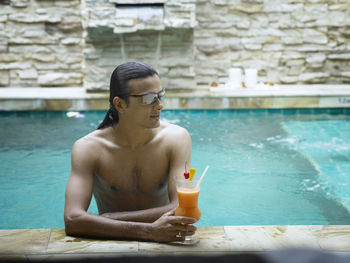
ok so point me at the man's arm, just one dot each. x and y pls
(78, 222)
(179, 142)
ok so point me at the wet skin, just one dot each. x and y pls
(130, 167)
(129, 180)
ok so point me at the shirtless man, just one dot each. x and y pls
(129, 164)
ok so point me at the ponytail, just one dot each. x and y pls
(110, 119)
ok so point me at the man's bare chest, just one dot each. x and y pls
(132, 172)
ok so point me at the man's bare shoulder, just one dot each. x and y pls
(93, 142)
(173, 132)
(177, 140)
(90, 139)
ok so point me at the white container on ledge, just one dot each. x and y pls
(251, 78)
(235, 78)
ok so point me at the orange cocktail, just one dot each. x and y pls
(188, 193)
(188, 203)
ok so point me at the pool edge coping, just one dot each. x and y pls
(214, 240)
(284, 96)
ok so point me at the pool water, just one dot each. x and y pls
(267, 167)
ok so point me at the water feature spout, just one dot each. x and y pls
(122, 47)
(158, 50)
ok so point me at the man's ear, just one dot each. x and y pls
(119, 104)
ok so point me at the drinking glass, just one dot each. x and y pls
(188, 193)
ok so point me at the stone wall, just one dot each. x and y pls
(288, 41)
(78, 43)
(170, 52)
(162, 38)
(40, 43)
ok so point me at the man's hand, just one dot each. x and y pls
(170, 228)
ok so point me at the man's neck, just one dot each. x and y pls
(132, 137)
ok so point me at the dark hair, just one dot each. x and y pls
(119, 87)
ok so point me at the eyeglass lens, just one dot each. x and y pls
(151, 98)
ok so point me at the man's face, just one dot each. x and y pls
(145, 115)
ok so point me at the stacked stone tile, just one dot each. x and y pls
(78, 43)
(288, 41)
(166, 44)
(40, 43)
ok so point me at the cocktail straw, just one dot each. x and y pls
(202, 176)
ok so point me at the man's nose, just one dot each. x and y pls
(159, 104)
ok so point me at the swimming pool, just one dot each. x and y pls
(285, 167)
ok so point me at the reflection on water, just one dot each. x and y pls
(260, 169)
(264, 168)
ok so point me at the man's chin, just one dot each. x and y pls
(154, 124)
(157, 124)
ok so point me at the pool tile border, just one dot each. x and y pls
(60, 243)
(332, 238)
(213, 239)
(280, 97)
(262, 238)
(49, 244)
(24, 241)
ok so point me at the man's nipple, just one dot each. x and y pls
(114, 188)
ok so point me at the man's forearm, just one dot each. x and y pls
(90, 225)
(147, 215)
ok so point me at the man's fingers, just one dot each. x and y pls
(176, 227)
(181, 220)
(181, 239)
(190, 233)
(184, 233)
(170, 213)
(180, 227)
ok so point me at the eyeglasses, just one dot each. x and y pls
(150, 98)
